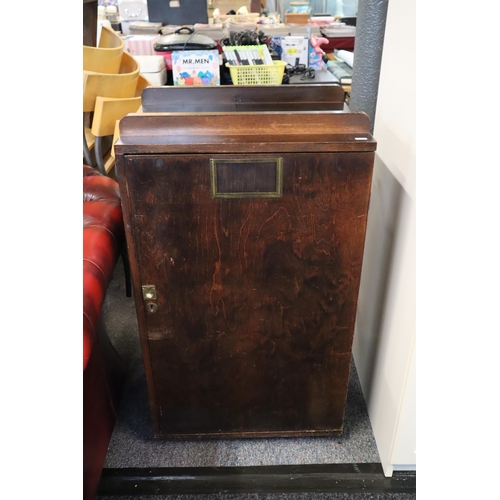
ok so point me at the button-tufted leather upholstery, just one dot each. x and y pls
(103, 241)
(103, 237)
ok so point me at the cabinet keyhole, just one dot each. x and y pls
(151, 307)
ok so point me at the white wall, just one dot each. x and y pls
(384, 340)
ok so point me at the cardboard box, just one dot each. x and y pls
(200, 68)
(315, 60)
(295, 50)
(292, 18)
(141, 45)
(153, 68)
(275, 45)
(133, 11)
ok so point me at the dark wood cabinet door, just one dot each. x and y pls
(256, 263)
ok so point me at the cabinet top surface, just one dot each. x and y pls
(268, 131)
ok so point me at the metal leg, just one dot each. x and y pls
(126, 267)
(86, 151)
(98, 155)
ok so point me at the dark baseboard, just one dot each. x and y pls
(330, 478)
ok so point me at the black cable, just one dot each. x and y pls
(247, 37)
(188, 38)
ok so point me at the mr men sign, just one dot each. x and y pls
(199, 68)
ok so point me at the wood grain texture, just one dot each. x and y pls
(256, 297)
(89, 20)
(244, 132)
(242, 98)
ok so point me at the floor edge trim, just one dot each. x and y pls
(311, 478)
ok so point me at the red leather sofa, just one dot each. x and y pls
(103, 242)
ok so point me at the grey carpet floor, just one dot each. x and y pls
(133, 445)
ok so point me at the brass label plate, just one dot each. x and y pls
(246, 178)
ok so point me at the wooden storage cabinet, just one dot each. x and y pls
(246, 268)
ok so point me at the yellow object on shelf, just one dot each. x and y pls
(259, 74)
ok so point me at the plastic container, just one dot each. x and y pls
(264, 74)
(298, 13)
